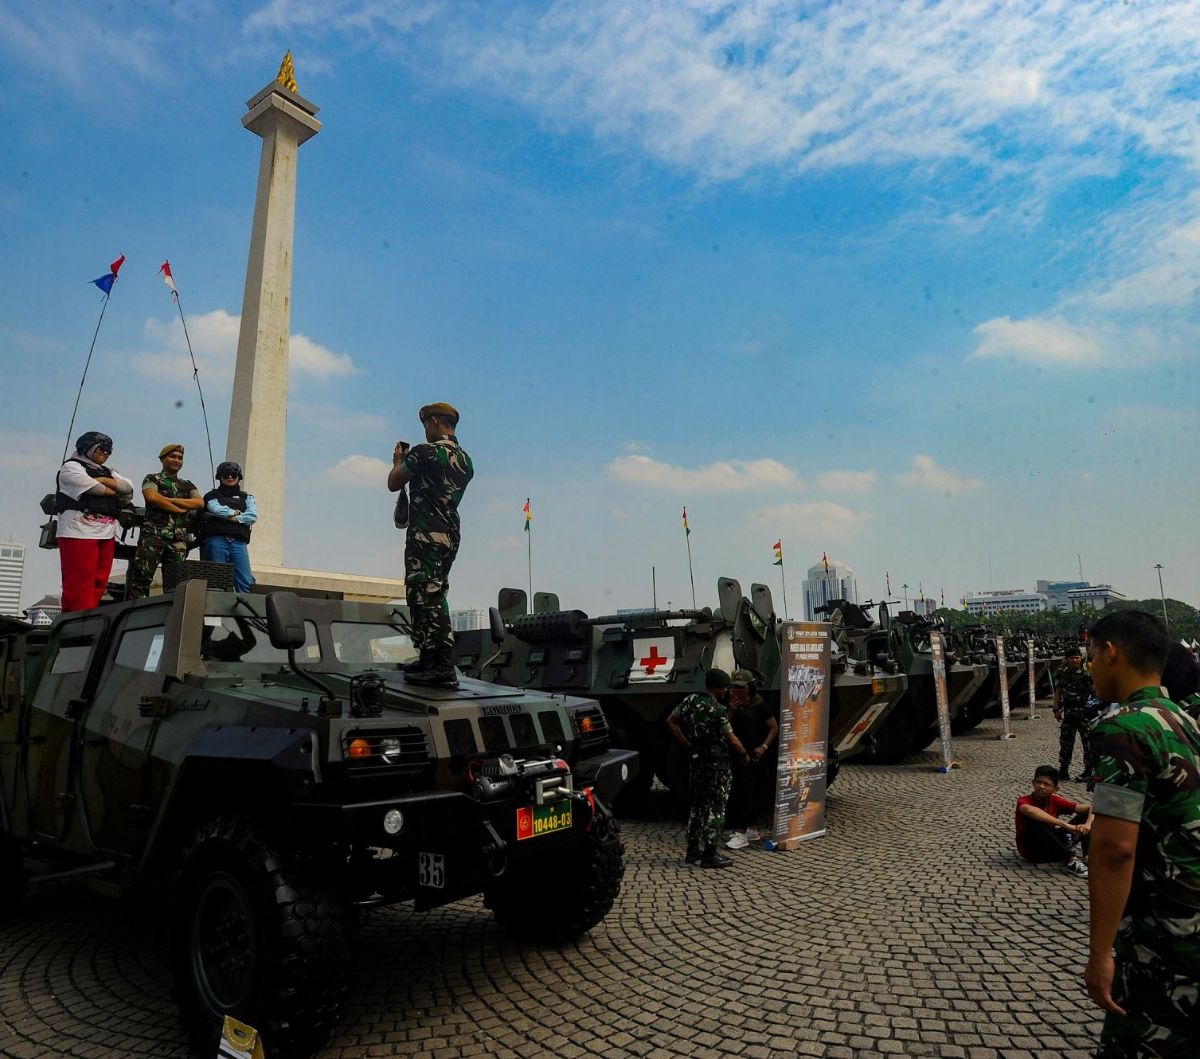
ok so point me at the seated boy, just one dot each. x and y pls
(1041, 836)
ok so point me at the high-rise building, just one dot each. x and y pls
(12, 573)
(466, 620)
(826, 581)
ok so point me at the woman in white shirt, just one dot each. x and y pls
(89, 495)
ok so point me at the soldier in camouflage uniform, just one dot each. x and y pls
(437, 474)
(170, 503)
(1072, 688)
(1145, 851)
(700, 724)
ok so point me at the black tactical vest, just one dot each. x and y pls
(89, 503)
(215, 526)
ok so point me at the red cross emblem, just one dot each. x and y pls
(654, 661)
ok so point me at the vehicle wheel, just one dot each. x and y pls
(257, 936)
(971, 716)
(925, 738)
(555, 898)
(633, 799)
(12, 876)
(833, 765)
(891, 740)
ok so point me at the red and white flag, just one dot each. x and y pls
(168, 279)
(653, 660)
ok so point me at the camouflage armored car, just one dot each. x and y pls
(265, 757)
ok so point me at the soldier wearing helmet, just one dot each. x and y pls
(229, 512)
(87, 498)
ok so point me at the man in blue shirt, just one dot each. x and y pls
(225, 530)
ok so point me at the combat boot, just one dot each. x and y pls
(438, 673)
(713, 859)
(693, 854)
(421, 662)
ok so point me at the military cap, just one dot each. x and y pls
(168, 449)
(440, 409)
(1074, 652)
(742, 678)
(716, 678)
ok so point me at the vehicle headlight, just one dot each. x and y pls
(393, 821)
(389, 749)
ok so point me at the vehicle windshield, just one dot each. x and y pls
(244, 640)
(374, 643)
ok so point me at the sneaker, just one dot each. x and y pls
(1077, 867)
(738, 841)
(752, 835)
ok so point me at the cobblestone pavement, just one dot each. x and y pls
(911, 928)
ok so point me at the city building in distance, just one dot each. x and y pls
(821, 585)
(1050, 595)
(44, 611)
(466, 620)
(1005, 601)
(12, 574)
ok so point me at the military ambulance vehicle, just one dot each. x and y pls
(264, 756)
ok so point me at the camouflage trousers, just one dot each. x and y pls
(1163, 1013)
(426, 579)
(153, 548)
(1073, 725)
(710, 794)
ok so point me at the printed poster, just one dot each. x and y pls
(937, 643)
(1005, 708)
(803, 732)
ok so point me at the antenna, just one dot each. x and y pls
(1079, 559)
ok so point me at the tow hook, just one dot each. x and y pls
(495, 851)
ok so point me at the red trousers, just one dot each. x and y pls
(86, 565)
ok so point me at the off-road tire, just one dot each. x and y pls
(556, 897)
(891, 741)
(970, 716)
(239, 887)
(12, 876)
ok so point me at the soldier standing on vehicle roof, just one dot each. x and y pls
(1072, 689)
(170, 501)
(437, 473)
(700, 724)
(87, 497)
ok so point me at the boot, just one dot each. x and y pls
(438, 673)
(693, 854)
(421, 662)
(713, 859)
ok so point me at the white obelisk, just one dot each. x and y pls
(258, 414)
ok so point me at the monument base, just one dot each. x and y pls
(324, 584)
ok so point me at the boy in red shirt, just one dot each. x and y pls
(1044, 838)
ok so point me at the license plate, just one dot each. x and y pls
(533, 821)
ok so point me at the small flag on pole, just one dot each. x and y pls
(778, 553)
(888, 575)
(687, 531)
(825, 560)
(943, 592)
(105, 283)
(921, 588)
(528, 514)
(168, 279)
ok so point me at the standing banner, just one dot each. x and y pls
(1032, 684)
(803, 732)
(937, 643)
(1005, 708)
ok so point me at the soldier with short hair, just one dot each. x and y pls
(163, 539)
(700, 724)
(1072, 689)
(437, 473)
(1144, 859)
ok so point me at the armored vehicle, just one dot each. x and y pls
(640, 664)
(264, 755)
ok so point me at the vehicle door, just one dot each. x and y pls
(57, 705)
(119, 726)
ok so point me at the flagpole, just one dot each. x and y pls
(166, 269)
(783, 578)
(529, 549)
(687, 536)
(653, 588)
(87, 364)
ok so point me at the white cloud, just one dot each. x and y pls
(214, 338)
(360, 472)
(847, 481)
(332, 418)
(725, 476)
(813, 517)
(926, 474)
(1037, 340)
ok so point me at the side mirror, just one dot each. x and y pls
(285, 621)
(497, 626)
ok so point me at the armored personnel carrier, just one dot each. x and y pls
(640, 664)
(264, 755)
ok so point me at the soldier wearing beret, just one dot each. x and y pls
(700, 724)
(437, 474)
(170, 503)
(1072, 689)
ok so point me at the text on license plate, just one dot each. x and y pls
(535, 820)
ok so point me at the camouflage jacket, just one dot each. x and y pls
(705, 722)
(441, 471)
(1148, 772)
(1191, 705)
(1075, 688)
(162, 523)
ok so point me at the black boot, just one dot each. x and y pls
(421, 662)
(713, 859)
(693, 853)
(438, 673)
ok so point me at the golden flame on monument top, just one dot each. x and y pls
(287, 74)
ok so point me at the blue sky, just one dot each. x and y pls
(911, 284)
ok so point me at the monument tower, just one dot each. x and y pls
(258, 414)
